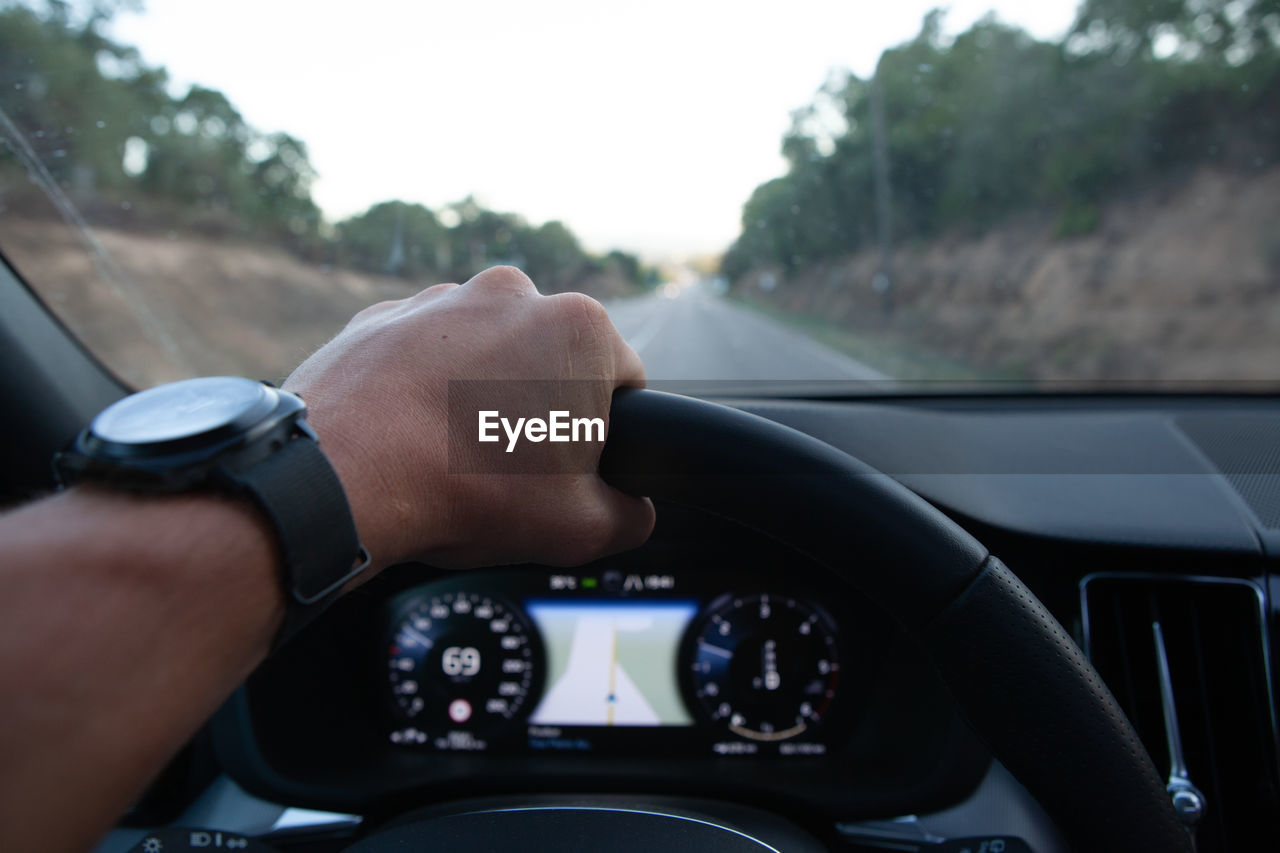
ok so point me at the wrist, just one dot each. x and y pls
(232, 436)
(401, 508)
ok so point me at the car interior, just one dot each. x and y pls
(844, 550)
(962, 425)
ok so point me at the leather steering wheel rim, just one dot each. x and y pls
(1019, 679)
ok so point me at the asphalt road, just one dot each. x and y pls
(692, 334)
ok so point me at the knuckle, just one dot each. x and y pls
(376, 309)
(504, 278)
(589, 308)
(586, 315)
(437, 289)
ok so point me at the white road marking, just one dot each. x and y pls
(641, 339)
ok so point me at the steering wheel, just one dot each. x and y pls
(1023, 684)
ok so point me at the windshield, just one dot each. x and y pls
(855, 193)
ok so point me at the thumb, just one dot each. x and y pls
(629, 520)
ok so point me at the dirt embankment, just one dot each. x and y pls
(1177, 284)
(159, 307)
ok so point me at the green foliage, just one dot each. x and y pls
(84, 101)
(49, 79)
(409, 240)
(129, 152)
(479, 238)
(994, 123)
(1077, 219)
(1221, 32)
(626, 266)
(394, 237)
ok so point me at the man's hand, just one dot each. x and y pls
(128, 619)
(378, 396)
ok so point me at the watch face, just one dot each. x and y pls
(183, 409)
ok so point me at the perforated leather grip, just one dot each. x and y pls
(1028, 690)
(1025, 687)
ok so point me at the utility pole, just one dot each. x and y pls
(396, 256)
(882, 282)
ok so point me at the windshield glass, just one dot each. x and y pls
(1025, 193)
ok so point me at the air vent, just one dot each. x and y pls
(1213, 631)
(1246, 449)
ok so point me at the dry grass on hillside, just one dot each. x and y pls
(162, 308)
(1181, 284)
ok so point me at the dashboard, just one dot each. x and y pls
(426, 685)
(547, 660)
(711, 660)
(1117, 510)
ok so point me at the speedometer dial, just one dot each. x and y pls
(765, 666)
(460, 665)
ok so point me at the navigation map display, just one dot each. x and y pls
(611, 664)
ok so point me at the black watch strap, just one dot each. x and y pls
(320, 550)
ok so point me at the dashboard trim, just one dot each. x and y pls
(666, 814)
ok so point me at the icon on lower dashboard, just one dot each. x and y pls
(176, 839)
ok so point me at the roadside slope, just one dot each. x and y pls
(1179, 284)
(161, 306)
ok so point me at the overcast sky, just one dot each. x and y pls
(643, 126)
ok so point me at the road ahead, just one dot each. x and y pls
(694, 334)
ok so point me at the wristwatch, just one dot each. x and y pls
(239, 437)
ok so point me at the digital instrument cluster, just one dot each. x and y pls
(541, 661)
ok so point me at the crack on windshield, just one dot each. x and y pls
(121, 284)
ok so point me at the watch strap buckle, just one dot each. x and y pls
(362, 562)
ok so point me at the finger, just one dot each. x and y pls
(628, 368)
(630, 519)
(377, 309)
(503, 280)
(434, 291)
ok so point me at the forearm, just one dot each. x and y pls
(125, 621)
(128, 620)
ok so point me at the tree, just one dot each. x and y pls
(550, 252)
(993, 123)
(626, 265)
(85, 100)
(282, 180)
(193, 161)
(1216, 31)
(395, 237)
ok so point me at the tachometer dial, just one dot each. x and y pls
(765, 666)
(460, 665)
